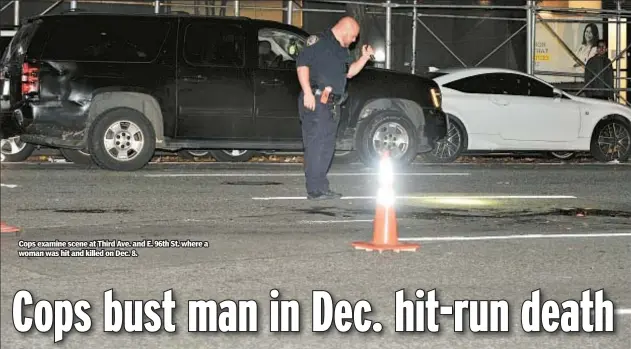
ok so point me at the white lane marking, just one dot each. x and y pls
(300, 174)
(340, 221)
(473, 197)
(514, 237)
(8, 185)
(626, 311)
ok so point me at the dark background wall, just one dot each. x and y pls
(30, 8)
(470, 39)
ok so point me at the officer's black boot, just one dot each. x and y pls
(327, 195)
(333, 194)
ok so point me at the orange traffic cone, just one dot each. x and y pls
(385, 229)
(5, 228)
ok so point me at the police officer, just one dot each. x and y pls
(323, 67)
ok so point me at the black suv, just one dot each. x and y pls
(122, 86)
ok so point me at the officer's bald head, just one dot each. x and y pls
(346, 31)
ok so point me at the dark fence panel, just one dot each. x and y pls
(470, 39)
(32, 8)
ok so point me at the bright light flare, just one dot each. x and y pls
(386, 173)
(385, 195)
(463, 202)
(446, 201)
(380, 55)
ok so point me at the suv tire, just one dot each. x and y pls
(79, 157)
(378, 123)
(227, 156)
(14, 150)
(192, 154)
(141, 135)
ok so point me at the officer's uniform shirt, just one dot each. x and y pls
(328, 61)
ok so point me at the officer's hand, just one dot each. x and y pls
(367, 51)
(309, 101)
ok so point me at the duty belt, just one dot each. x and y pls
(333, 97)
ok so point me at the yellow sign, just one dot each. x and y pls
(561, 47)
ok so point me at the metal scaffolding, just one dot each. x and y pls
(533, 14)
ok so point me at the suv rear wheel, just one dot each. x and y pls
(388, 131)
(122, 139)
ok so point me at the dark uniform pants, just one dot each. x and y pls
(319, 128)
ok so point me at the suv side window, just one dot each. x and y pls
(278, 49)
(106, 40)
(212, 44)
(473, 84)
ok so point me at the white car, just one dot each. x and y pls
(492, 109)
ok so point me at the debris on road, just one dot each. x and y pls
(298, 159)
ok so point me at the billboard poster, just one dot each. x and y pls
(558, 45)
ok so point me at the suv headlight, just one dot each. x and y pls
(436, 97)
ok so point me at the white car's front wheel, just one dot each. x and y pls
(611, 141)
(449, 148)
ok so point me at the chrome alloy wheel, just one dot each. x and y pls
(614, 140)
(123, 140)
(391, 137)
(198, 153)
(11, 145)
(235, 152)
(562, 155)
(450, 145)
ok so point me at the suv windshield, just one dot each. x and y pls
(283, 43)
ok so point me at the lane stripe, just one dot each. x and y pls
(626, 311)
(340, 221)
(514, 237)
(8, 185)
(300, 174)
(473, 197)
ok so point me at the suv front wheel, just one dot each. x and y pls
(76, 156)
(388, 131)
(232, 155)
(122, 139)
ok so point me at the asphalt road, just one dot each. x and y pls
(486, 232)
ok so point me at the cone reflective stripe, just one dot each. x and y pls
(5, 228)
(385, 229)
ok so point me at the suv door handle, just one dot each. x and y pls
(194, 78)
(272, 82)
